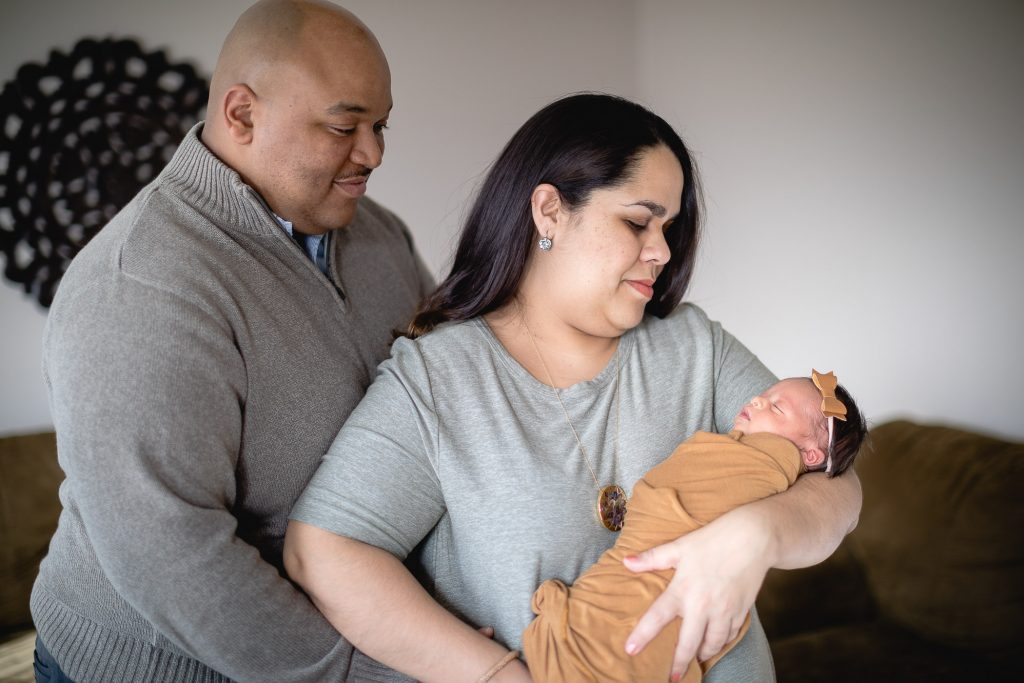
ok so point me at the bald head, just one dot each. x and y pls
(273, 34)
(299, 98)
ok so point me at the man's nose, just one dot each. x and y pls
(368, 150)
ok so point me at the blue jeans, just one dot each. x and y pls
(46, 667)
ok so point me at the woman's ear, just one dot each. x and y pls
(813, 457)
(546, 205)
(239, 102)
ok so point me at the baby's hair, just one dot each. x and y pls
(847, 435)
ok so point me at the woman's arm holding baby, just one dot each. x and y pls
(720, 567)
(372, 599)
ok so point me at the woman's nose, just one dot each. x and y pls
(656, 250)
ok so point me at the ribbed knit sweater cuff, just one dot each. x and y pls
(87, 651)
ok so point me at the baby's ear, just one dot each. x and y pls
(813, 457)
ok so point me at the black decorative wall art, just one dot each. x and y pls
(79, 137)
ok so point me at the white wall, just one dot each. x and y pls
(466, 74)
(877, 144)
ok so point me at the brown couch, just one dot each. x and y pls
(930, 586)
(29, 477)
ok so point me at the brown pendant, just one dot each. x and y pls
(611, 507)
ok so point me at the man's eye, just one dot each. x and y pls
(341, 131)
(380, 127)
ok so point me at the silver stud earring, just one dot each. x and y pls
(544, 243)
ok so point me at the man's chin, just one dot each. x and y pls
(341, 218)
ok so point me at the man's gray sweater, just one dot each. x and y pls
(199, 365)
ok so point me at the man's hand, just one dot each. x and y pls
(719, 570)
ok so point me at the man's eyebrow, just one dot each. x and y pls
(345, 108)
(654, 207)
(342, 107)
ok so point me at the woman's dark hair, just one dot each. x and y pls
(847, 435)
(578, 144)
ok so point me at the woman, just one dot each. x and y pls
(551, 369)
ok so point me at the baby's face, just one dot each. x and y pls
(790, 408)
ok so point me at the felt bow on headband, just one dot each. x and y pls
(830, 405)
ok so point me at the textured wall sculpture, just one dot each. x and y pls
(79, 136)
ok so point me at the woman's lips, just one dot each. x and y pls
(645, 287)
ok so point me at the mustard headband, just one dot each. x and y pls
(831, 407)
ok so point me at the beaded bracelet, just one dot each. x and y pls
(509, 656)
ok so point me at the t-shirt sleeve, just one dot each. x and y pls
(378, 481)
(739, 376)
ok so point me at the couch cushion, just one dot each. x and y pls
(941, 535)
(828, 594)
(29, 508)
(876, 651)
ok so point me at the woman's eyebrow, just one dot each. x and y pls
(654, 207)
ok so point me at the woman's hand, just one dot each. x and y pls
(720, 567)
(719, 570)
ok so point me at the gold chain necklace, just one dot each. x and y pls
(611, 499)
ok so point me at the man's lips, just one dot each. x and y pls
(353, 186)
(645, 287)
(744, 414)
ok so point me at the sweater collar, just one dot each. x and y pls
(216, 189)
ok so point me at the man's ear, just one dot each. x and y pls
(813, 457)
(238, 105)
(546, 205)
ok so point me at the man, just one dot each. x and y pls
(201, 354)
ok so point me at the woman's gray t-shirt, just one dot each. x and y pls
(461, 462)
